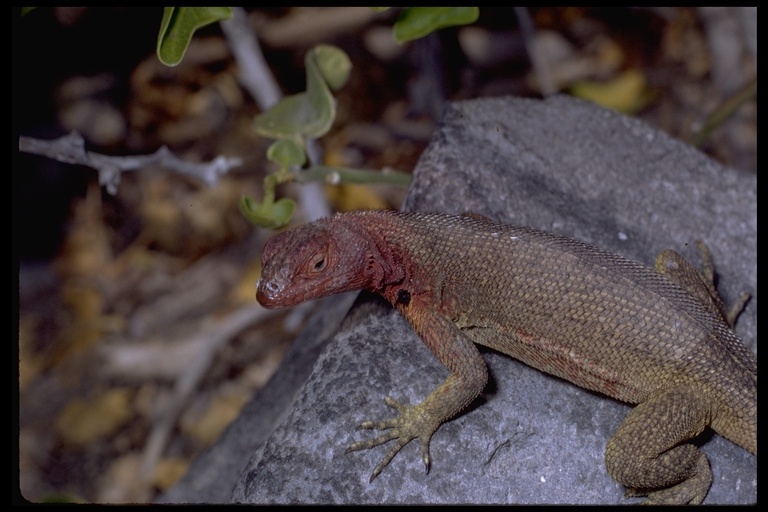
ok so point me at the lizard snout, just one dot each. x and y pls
(267, 292)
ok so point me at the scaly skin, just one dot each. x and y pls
(657, 338)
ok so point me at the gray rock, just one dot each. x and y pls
(561, 165)
(213, 475)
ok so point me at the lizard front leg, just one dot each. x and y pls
(468, 377)
(650, 454)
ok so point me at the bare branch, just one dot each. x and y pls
(254, 73)
(71, 149)
(539, 59)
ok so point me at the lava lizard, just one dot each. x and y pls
(659, 338)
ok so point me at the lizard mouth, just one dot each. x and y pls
(263, 296)
(271, 294)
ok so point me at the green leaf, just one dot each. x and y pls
(334, 65)
(295, 116)
(310, 113)
(178, 25)
(416, 22)
(287, 153)
(270, 215)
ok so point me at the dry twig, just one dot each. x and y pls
(71, 149)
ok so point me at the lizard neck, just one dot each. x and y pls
(384, 257)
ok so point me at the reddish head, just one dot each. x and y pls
(316, 260)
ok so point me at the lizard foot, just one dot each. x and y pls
(688, 492)
(414, 422)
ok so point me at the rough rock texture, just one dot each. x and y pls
(561, 165)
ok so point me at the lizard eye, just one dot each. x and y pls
(318, 262)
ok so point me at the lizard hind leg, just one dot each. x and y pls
(650, 454)
(699, 283)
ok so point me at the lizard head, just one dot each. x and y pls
(315, 260)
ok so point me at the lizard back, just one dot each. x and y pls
(597, 319)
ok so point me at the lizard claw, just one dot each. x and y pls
(412, 423)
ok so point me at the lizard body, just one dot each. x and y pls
(659, 338)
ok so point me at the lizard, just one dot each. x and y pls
(659, 338)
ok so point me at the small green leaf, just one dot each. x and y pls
(310, 113)
(287, 153)
(416, 22)
(334, 65)
(267, 214)
(296, 116)
(178, 25)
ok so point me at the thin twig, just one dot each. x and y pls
(334, 175)
(538, 59)
(725, 111)
(71, 149)
(254, 74)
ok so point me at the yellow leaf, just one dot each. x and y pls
(31, 361)
(353, 196)
(84, 304)
(168, 472)
(627, 93)
(86, 250)
(206, 426)
(85, 421)
(245, 291)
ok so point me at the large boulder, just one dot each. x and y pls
(561, 165)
